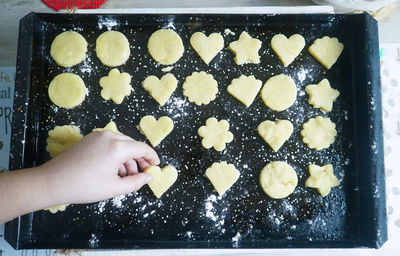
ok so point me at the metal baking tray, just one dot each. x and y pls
(190, 214)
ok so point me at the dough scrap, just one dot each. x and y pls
(246, 49)
(279, 92)
(275, 133)
(116, 86)
(67, 90)
(278, 179)
(156, 130)
(160, 89)
(287, 49)
(162, 180)
(57, 208)
(245, 89)
(207, 47)
(322, 178)
(322, 95)
(68, 49)
(112, 48)
(61, 138)
(318, 133)
(200, 88)
(215, 134)
(111, 126)
(165, 46)
(326, 50)
(222, 176)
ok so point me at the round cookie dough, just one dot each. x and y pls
(278, 179)
(200, 88)
(67, 90)
(319, 132)
(279, 92)
(165, 46)
(68, 49)
(61, 138)
(112, 48)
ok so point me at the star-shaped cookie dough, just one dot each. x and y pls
(116, 86)
(322, 178)
(322, 95)
(246, 49)
(215, 134)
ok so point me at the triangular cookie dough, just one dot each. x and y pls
(245, 89)
(326, 50)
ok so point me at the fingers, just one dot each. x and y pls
(122, 171)
(131, 149)
(134, 182)
(142, 163)
(131, 166)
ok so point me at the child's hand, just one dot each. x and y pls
(100, 166)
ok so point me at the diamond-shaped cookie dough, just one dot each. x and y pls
(207, 47)
(318, 133)
(245, 89)
(322, 95)
(162, 180)
(160, 89)
(275, 133)
(322, 178)
(215, 134)
(156, 130)
(287, 49)
(246, 49)
(326, 50)
(116, 86)
(222, 176)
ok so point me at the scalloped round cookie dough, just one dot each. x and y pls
(322, 178)
(156, 130)
(245, 89)
(279, 92)
(318, 133)
(61, 138)
(160, 89)
(207, 47)
(278, 179)
(200, 88)
(67, 90)
(57, 208)
(165, 46)
(68, 49)
(116, 86)
(322, 95)
(287, 49)
(326, 50)
(112, 48)
(215, 134)
(222, 176)
(246, 49)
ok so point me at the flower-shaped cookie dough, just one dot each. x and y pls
(322, 178)
(246, 49)
(319, 132)
(322, 95)
(116, 86)
(215, 134)
(200, 88)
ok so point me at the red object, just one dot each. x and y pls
(69, 4)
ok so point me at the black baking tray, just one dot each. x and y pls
(190, 214)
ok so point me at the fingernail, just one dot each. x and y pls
(148, 179)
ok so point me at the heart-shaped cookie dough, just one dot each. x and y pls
(287, 49)
(326, 50)
(275, 133)
(222, 175)
(156, 130)
(162, 178)
(207, 47)
(160, 89)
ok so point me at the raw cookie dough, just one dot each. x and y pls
(322, 95)
(112, 48)
(68, 49)
(207, 47)
(279, 92)
(61, 138)
(278, 179)
(57, 208)
(246, 49)
(162, 180)
(200, 88)
(318, 133)
(165, 46)
(67, 90)
(156, 130)
(326, 50)
(215, 134)
(287, 49)
(275, 133)
(116, 86)
(245, 89)
(160, 89)
(322, 178)
(222, 176)
(111, 126)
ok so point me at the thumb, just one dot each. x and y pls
(134, 182)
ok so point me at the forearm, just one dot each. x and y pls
(24, 191)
